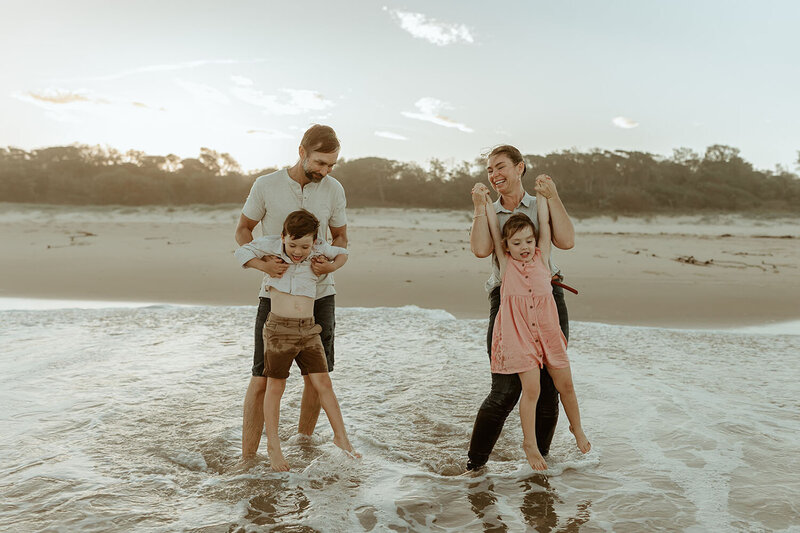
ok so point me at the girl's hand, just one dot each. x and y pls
(545, 186)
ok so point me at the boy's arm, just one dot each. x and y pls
(256, 254)
(543, 214)
(336, 254)
(494, 230)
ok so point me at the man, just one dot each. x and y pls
(305, 185)
(506, 168)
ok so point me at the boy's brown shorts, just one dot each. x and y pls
(292, 339)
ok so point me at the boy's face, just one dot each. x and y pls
(297, 249)
(522, 244)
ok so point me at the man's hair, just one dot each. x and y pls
(319, 138)
(516, 222)
(513, 154)
(299, 224)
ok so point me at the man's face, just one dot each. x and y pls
(297, 249)
(317, 165)
(504, 176)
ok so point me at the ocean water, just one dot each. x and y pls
(129, 419)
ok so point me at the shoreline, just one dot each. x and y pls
(678, 272)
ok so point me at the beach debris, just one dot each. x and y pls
(690, 260)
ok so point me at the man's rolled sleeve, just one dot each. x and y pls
(331, 251)
(245, 254)
(338, 216)
(255, 206)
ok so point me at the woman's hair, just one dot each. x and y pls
(319, 138)
(299, 224)
(516, 222)
(513, 154)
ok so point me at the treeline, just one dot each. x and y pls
(598, 181)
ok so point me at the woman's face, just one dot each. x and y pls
(504, 176)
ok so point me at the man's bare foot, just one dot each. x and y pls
(344, 444)
(535, 458)
(580, 439)
(276, 460)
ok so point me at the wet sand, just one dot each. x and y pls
(677, 272)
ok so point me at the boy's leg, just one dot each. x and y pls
(272, 412)
(527, 416)
(322, 383)
(253, 412)
(325, 316)
(562, 378)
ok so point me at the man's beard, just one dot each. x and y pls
(316, 177)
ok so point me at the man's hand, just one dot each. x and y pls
(320, 265)
(480, 195)
(545, 186)
(274, 266)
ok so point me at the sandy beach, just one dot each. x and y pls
(719, 271)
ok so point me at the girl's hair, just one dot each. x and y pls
(299, 224)
(319, 138)
(513, 154)
(516, 222)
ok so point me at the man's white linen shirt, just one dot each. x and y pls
(274, 196)
(299, 279)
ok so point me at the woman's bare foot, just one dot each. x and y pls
(344, 444)
(276, 460)
(535, 458)
(580, 439)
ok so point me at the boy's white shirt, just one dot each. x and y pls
(298, 279)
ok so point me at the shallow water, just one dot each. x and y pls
(129, 419)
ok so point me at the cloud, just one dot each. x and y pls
(242, 81)
(433, 31)
(291, 102)
(67, 105)
(429, 112)
(170, 67)
(50, 97)
(624, 123)
(204, 94)
(270, 134)
(390, 135)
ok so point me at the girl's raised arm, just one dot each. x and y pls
(494, 229)
(543, 214)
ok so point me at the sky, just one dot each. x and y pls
(410, 80)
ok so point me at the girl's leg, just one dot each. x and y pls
(272, 413)
(562, 379)
(322, 383)
(527, 416)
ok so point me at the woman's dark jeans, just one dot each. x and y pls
(505, 393)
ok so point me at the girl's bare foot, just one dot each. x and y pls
(276, 460)
(535, 458)
(580, 439)
(344, 444)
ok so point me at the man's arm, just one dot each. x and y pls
(480, 240)
(244, 230)
(320, 265)
(563, 232)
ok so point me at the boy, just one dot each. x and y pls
(290, 333)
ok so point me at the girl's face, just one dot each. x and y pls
(504, 176)
(298, 249)
(522, 244)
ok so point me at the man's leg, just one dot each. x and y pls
(253, 412)
(325, 316)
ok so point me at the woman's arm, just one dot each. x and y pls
(480, 241)
(497, 240)
(563, 232)
(543, 214)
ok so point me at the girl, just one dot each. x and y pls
(526, 331)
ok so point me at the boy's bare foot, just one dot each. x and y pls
(344, 444)
(580, 439)
(535, 458)
(276, 460)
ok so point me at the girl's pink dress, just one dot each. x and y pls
(526, 330)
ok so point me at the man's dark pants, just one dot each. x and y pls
(505, 393)
(324, 315)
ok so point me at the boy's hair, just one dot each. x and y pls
(299, 224)
(513, 154)
(319, 138)
(516, 222)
